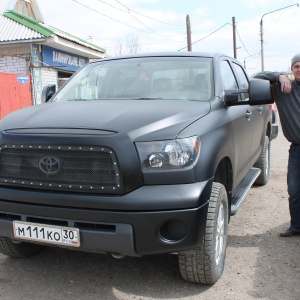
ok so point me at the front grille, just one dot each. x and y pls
(59, 131)
(65, 168)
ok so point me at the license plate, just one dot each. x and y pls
(47, 234)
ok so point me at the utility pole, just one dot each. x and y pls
(234, 37)
(188, 33)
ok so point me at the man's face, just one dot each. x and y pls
(296, 70)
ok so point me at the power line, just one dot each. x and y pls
(150, 28)
(206, 36)
(274, 21)
(145, 15)
(215, 32)
(123, 22)
(109, 17)
(242, 42)
(273, 17)
(128, 11)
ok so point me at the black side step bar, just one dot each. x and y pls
(242, 189)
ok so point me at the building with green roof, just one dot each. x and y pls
(51, 54)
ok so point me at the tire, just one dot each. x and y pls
(263, 163)
(205, 264)
(18, 250)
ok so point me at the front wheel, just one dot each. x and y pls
(18, 249)
(263, 163)
(205, 264)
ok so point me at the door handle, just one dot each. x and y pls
(260, 108)
(248, 115)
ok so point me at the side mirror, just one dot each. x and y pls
(47, 92)
(232, 97)
(260, 92)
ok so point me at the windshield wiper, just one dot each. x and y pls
(77, 99)
(147, 98)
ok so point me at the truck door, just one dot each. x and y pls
(240, 117)
(256, 119)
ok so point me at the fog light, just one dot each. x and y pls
(173, 231)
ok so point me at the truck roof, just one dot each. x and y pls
(167, 54)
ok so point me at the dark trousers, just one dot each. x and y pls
(293, 182)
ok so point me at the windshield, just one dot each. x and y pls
(163, 78)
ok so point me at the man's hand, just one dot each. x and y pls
(286, 85)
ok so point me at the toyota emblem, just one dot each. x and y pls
(49, 165)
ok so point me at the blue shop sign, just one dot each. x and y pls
(23, 79)
(59, 58)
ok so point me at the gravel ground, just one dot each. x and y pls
(259, 263)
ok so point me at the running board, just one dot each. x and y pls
(242, 189)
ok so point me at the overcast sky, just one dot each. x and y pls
(160, 25)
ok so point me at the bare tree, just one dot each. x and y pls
(128, 45)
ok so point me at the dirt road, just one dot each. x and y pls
(259, 264)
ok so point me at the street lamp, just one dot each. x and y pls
(261, 33)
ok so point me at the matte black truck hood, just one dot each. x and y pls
(140, 119)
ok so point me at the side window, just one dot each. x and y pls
(244, 84)
(229, 81)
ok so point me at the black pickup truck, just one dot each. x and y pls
(136, 155)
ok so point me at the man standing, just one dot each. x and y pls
(287, 99)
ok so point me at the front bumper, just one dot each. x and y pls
(149, 220)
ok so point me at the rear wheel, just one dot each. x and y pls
(205, 264)
(263, 163)
(18, 249)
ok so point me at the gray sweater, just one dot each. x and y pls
(288, 106)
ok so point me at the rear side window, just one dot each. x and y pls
(244, 84)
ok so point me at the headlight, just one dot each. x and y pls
(172, 154)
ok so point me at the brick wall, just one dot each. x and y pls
(49, 76)
(12, 64)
